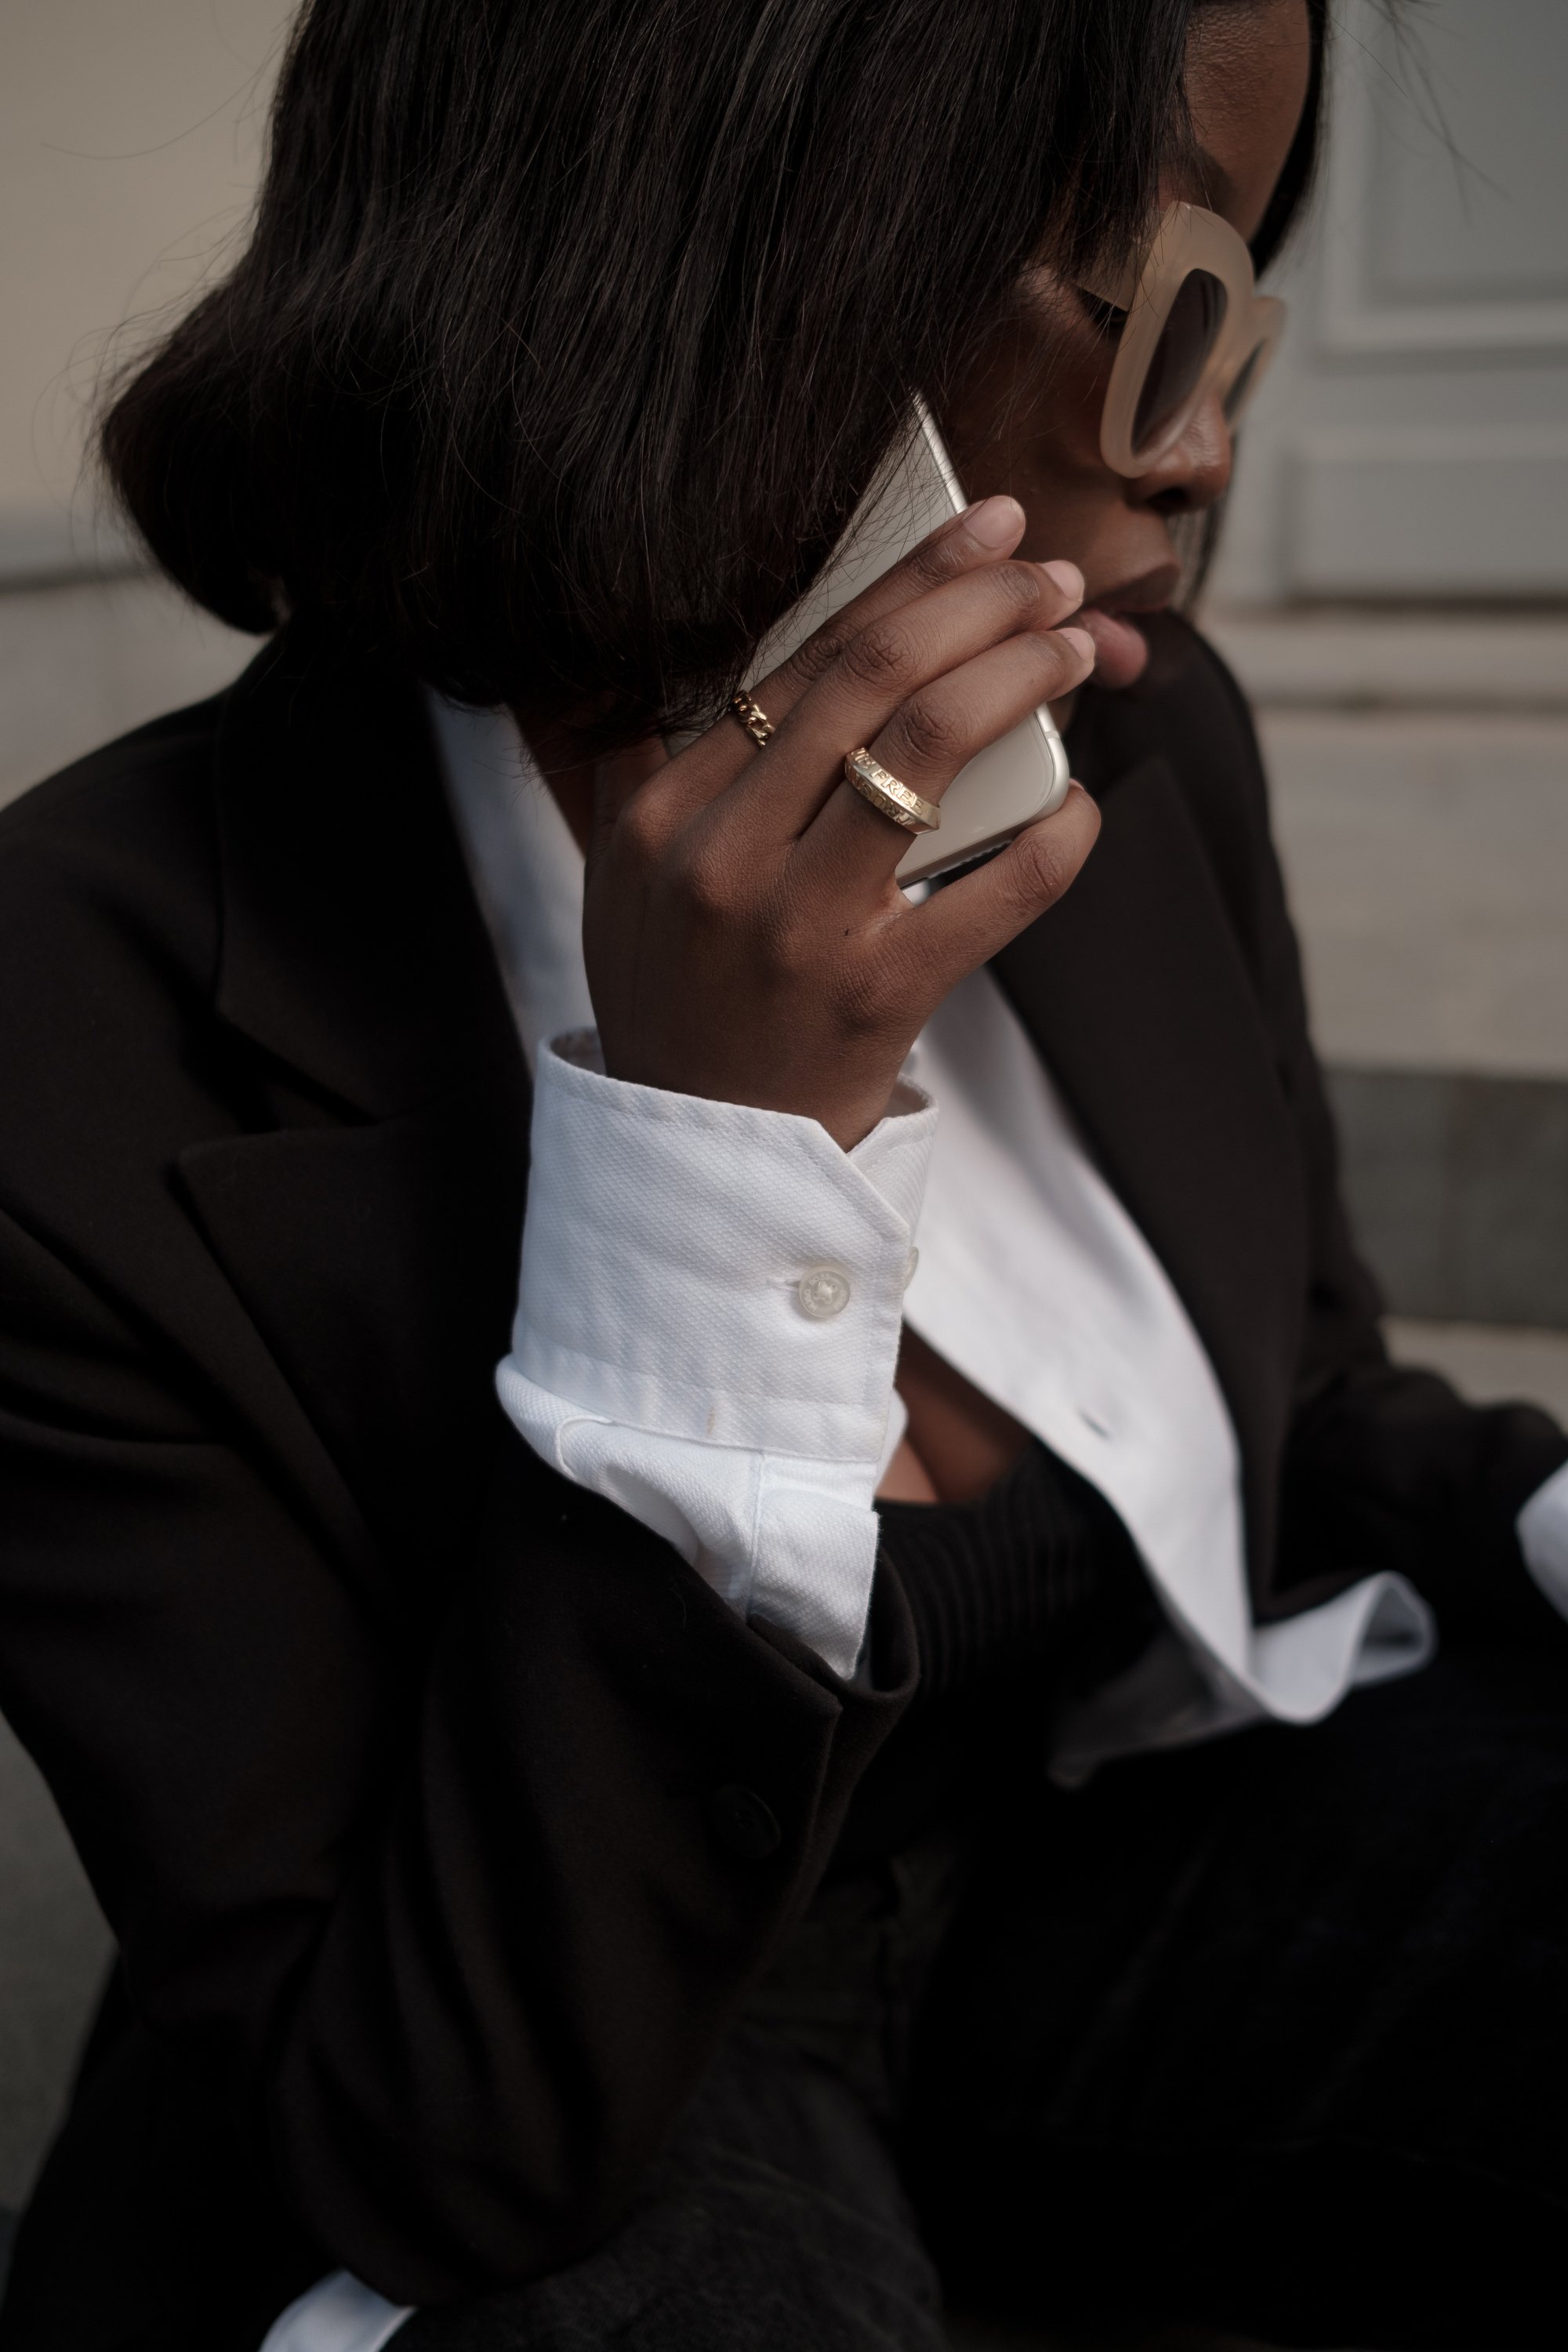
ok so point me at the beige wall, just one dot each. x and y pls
(130, 133)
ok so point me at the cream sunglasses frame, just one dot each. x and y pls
(1187, 239)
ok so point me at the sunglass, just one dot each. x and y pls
(1193, 327)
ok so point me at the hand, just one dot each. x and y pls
(745, 939)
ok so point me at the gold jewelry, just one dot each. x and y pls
(751, 716)
(888, 795)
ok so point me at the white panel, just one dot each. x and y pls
(1427, 860)
(1477, 216)
(1452, 511)
(1411, 442)
(1448, 181)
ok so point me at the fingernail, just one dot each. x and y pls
(1068, 578)
(995, 522)
(1081, 642)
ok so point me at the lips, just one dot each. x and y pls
(1120, 650)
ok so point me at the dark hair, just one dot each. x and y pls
(570, 330)
(1294, 184)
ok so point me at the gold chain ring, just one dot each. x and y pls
(751, 716)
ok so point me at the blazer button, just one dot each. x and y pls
(740, 1820)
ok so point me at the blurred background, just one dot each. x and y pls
(1393, 594)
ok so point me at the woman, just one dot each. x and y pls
(585, 1866)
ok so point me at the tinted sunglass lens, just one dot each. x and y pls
(1181, 354)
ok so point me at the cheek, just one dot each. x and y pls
(1045, 454)
(1026, 424)
(1086, 519)
(1028, 414)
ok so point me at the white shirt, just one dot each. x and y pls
(708, 1326)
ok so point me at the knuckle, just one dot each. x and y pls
(935, 560)
(639, 833)
(1047, 667)
(1017, 587)
(932, 732)
(1044, 866)
(705, 882)
(878, 655)
(1050, 667)
(821, 650)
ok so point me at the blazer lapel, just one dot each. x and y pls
(379, 1264)
(371, 1222)
(1137, 997)
(353, 950)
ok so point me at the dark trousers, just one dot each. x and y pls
(1270, 2036)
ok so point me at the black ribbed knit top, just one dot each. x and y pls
(1031, 1592)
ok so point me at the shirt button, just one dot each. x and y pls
(742, 1821)
(823, 1292)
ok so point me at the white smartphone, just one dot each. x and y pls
(1024, 774)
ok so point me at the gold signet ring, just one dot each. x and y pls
(751, 716)
(888, 795)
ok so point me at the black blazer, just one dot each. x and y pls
(391, 1756)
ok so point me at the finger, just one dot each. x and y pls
(932, 737)
(886, 664)
(985, 533)
(933, 946)
(980, 538)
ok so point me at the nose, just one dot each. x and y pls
(1194, 471)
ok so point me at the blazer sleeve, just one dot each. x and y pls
(453, 1913)
(1385, 1465)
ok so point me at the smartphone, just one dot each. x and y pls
(1024, 774)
